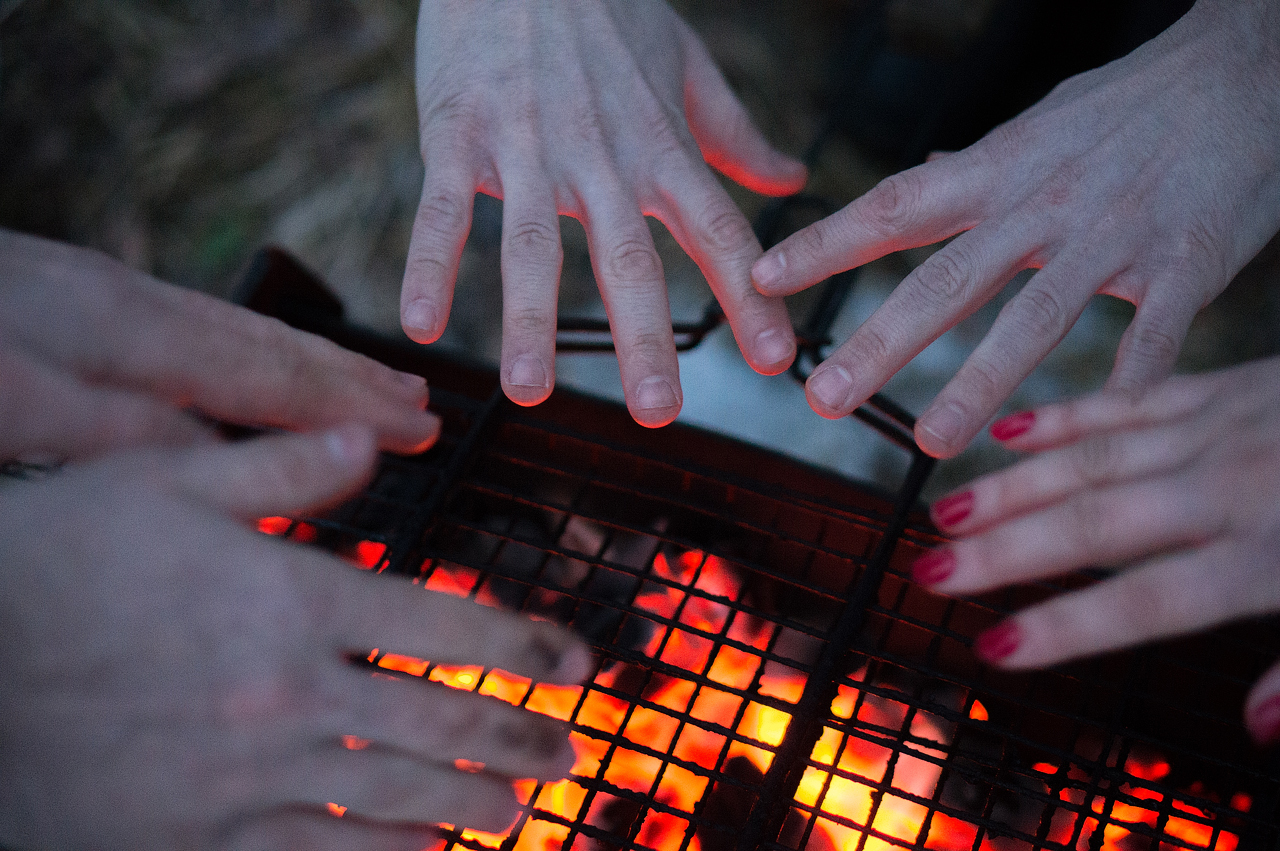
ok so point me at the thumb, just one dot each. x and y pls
(282, 474)
(1262, 708)
(729, 139)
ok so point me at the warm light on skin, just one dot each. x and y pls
(685, 719)
(336, 809)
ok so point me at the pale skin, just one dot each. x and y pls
(1154, 178)
(174, 679)
(606, 111)
(1180, 488)
(171, 677)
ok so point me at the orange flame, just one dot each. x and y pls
(831, 791)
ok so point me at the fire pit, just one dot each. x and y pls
(769, 677)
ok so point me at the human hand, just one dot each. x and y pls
(96, 356)
(1154, 178)
(173, 679)
(1182, 487)
(607, 111)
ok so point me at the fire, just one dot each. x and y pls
(846, 808)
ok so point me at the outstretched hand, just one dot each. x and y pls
(1154, 178)
(1182, 488)
(96, 356)
(173, 679)
(607, 111)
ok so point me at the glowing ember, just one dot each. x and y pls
(688, 722)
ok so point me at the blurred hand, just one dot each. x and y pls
(1154, 178)
(607, 111)
(1182, 488)
(96, 356)
(173, 679)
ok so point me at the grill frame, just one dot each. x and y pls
(911, 647)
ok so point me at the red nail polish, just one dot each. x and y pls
(953, 509)
(999, 642)
(932, 568)
(1264, 722)
(1013, 425)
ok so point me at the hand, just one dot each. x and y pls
(1154, 178)
(1182, 487)
(173, 679)
(603, 110)
(96, 356)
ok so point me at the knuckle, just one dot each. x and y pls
(1090, 523)
(944, 277)
(1155, 345)
(872, 345)
(587, 124)
(1008, 141)
(1040, 314)
(457, 111)
(893, 204)
(725, 229)
(984, 381)
(530, 322)
(444, 214)
(633, 261)
(535, 242)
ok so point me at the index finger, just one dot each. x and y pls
(920, 206)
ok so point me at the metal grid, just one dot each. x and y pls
(769, 677)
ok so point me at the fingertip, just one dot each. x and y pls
(656, 402)
(1263, 721)
(528, 381)
(830, 391)
(421, 321)
(941, 431)
(774, 351)
(768, 275)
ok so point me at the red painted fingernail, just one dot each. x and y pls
(1264, 722)
(952, 509)
(1013, 425)
(932, 568)
(999, 642)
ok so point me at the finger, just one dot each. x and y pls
(1027, 328)
(629, 273)
(1149, 348)
(397, 617)
(728, 138)
(321, 828)
(440, 231)
(438, 723)
(936, 295)
(1180, 594)
(1262, 708)
(715, 233)
(48, 413)
(281, 475)
(1108, 526)
(921, 206)
(531, 262)
(1094, 462)
(117, 327)
(1064, 423)
(383, 786)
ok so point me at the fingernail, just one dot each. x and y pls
(945, 424)
(655, 392)
(953, 509)
(998, 643)
(768, 271)
(772, 346)
(1013, 425)
(1264, 722)
(419, 316)
(528, 371)
(345, 444)
(932, 568)
(832, 386)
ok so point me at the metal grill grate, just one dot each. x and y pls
(769, 677)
